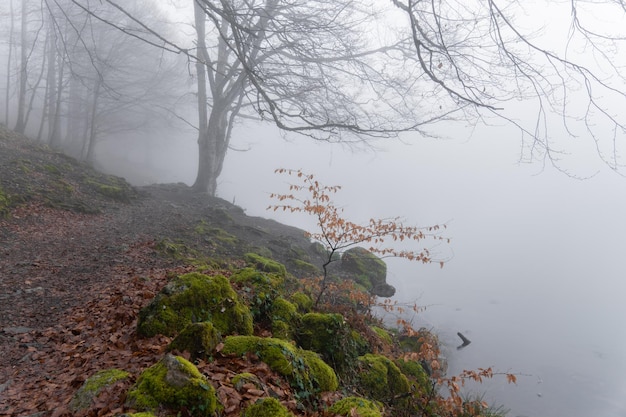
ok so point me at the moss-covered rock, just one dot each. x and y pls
(303, 302)
(265, 264)
(244, 378)
(414, 343)
(92, 387)
(112, 187)
(367, 270)
(304, 370)
(283, 315)
(259, 290)
(199, 339)
(192, 298)
(381, 379)
(303, 268)
(323, 376)
(382, 334)
(362, 407)
(173, 382)
(416, 374)
(329, 335)
(215, 234)
(267, 407)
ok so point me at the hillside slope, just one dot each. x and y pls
(75, 243)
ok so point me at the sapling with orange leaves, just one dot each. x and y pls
(336, 233)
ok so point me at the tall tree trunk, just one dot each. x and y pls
(51, 80)
(20, 125)
(210, 154)
(9, 58)
(214, 125)
(93, 128)
(54, 120)
(204, 182)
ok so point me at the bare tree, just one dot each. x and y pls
(311, 67)
(564, 59)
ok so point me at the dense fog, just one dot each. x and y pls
(532, 198)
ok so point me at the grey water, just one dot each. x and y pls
(536, 269)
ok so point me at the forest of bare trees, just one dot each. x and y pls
(71, 80)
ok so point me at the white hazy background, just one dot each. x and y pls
(536, 278)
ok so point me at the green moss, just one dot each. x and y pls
(115, 188)
(380, 378)
(414, 343)
(361, 406)
(199, 339)
(383, 334)
(215, 233)
(283, 310)
(324, 375)
(265, 264)
(142, 414)
(416, 375)
(263, 251)
(303, 302)
(243, 378)
(24, 165)
(284, 315)
(300, 267)
(173, 382)
(259, 290)
(53, 169)
(367, 270)
(331, 337)
(5, 203)
(304, 370)
(267, 407)
(192, 298)
(92, 387)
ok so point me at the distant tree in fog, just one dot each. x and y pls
(83, 80)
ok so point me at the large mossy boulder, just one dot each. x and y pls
(381, 379)
(304, 370)
(93, 386)
(193, 298)
(199, 339)
(267, 407)
(330, 335)
(361, 407)
(173, 382)
(368, 270)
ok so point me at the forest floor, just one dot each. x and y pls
(80, 254)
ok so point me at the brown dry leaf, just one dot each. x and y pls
(255, 392)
